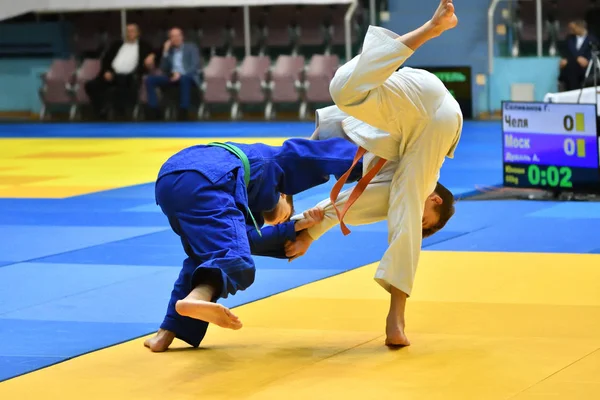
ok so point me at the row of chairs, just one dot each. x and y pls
(220, 29)
(256, 81)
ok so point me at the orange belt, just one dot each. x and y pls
(358, 189)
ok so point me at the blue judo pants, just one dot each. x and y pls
(212, 229)
(185, 82)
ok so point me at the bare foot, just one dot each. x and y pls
(161, 341)
(210, 312)
(395, 336)
(444, 18)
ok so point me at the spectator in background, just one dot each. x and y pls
(122, 67)
(180, 65)
(577, 56)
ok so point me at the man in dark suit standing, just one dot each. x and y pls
(577, 56)
(123, 64)
(180, 65)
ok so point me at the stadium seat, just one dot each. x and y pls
(251, 83)
(311, 25)
(338, 25)
(286, 79)
(89, 69)
(237, 33)
(216, 83)
(319, 73)
(279, 21)
(57, 85)
(213, 33)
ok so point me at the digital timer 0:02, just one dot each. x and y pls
(551, 176)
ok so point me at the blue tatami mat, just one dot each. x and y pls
(93, 296)
(474, 215)
(159, 130)
(86, 261)
(164, 249)
(18, 365)
(85, 218)
(27, 244)
(36, 344)
(524, 226)
(574, 210)
(44, 282)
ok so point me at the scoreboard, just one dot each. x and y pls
(551, 146)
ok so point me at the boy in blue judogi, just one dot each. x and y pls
(216, 198)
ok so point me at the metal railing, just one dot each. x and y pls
(492, 25)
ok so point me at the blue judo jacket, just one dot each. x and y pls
(293, 167)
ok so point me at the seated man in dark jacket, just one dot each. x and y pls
(179, 66)
(576, 57)
(122, 66)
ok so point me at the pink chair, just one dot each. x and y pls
(89, 69)
(57, 86)
(311, 25)
(216, 85)
(318, 75)
(286, 80)
(251, 83)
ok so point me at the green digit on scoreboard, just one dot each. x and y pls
(553, 176)
(533, 175)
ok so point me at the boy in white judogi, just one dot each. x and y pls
(407, 123)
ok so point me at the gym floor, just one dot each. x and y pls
(506, 303)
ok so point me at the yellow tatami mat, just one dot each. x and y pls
(483, 326)
(58, 168)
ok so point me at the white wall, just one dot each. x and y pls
(11, 8)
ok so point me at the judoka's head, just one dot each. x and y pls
(282, 212)
(439, 208)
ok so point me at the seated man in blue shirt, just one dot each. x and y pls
(179, 65)
(210, 195)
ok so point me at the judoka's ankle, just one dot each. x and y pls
(432, 29)
(395, 319)
(203, 292)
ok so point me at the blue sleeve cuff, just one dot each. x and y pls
(272, 241)
(289, 230)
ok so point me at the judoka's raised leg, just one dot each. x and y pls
(443, 20)
(359, 86)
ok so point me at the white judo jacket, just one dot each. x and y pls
(407, 117)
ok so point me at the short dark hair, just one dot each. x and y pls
(445, 210)
(290, 200)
